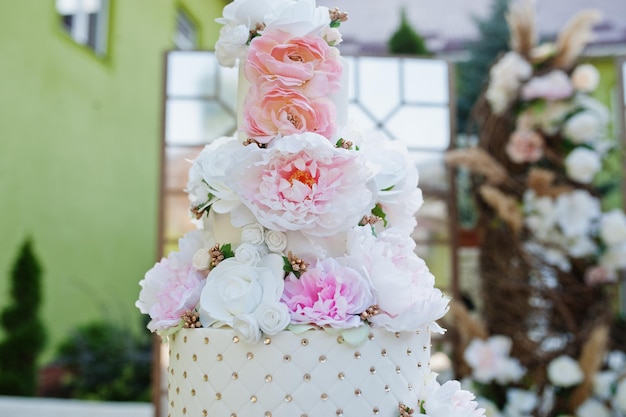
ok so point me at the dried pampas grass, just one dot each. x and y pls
(574, 37)
(541, 181)
(590, 361)
(478, 161)
(505, 206)
(521, 20)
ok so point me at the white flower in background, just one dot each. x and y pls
(582, 165)
(603, 384)
(541, 214)
(550, 117)
(565, 372)
(253, 233)
(576, 212)
(232, 44)
(276, 241)
(614, 259)
(491, 361)
(506, 76)
(593, 408)
(552, 86)
(491, 409)
(208, 172)
(520, 402)
(613, 227)
(584, 127)
(616, 360)
(581, 246)
(585, 78)
(234, 291)
(619, 402)
(448, 400)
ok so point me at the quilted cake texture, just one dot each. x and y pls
(212, 373)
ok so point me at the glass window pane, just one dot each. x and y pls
(176, 214)
(227, 87)
(379, 90)
(193, 122)
(425, 81)
(191, 74)
(421, 127)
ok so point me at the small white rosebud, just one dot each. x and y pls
(201, 260)
(276, 241)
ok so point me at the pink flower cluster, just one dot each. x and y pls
(291, 79)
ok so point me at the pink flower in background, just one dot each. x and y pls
(327, 294)
(272, 111)
(306, 62)
(448, 400)
(169, 289)
(490, 360)
(555, 85)
(525, 146)
(304, 183)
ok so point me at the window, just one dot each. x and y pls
(186, 36)
(86, 21)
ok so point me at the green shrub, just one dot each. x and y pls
(106, 362)
(406, 40)
(24, 333)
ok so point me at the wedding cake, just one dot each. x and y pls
(300, 293)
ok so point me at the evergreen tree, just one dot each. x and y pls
(472, 74)
(406, 40)
(24, 333)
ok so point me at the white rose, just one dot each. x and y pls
(201, 260)
(250, 12)
(299, 18)
(276, 241)
(248, 254)
(253, 233)
(603, 383)
(232, 44)
(592, 408)
(583, 127)
(565, 372)
(620, 396)
(613, 227)
(247, 328)
(585, 78)
(233, 289)
(582, 165)
(273, 317)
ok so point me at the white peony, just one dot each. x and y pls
(233, 292)
(613, 227)
(585, 78)
(582, 165)
(565, 372)
(584, 127)
(592, 408)
(232, 44)
(448, 400)
(491, 361)
(576, 212)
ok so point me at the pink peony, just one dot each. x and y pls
(270, 111)
(306, 62)
(169, 289)
(525, 146)
(304, 183)
(553, 86)
(448, 400)
(327, 294)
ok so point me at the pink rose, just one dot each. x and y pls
(305, 62)
(270, 111)
(327, 294)
(553, 86)
(525, 146)
(169, 289)
(598, 274)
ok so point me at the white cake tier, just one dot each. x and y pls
(315, 374)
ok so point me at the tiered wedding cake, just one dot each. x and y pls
(300, 293)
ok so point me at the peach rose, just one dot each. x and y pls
(525, 146)
(270, 111)
(304, 62)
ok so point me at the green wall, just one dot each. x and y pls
(80, 153)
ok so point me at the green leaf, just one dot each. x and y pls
(227, 251)
(378, 211)
(335, 23)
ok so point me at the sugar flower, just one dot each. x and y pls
(585, 78)
(232, 44)
(553, 86)
(270, 111)
(491, 361)
(613, 227)
(306, 63)
(303, 183)
(582, 165)
(300, 18)
(328, 294)
(565, 372)
(525, 146)
(234, 292)
(448, 400)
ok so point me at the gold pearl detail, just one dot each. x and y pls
(324, 397)
(253, 399)
(370, 336)
(341, 376)
(219, 357)
(178, 356)
(177, 390)
(206, 340)
(205, 413)
(288, 398)
(250, 356)
(194, 357)
(193, 392)
(267, 341)
(419, 364)
(287, 358)
(387, 389)
(322, 359)
(357, 355)
(397, 334)
(376, 410)
(268, 378)
(408, 352)
(185, 339)
(372, 370)
(184, 410)
(205, 377)
(397, 369)
(185, 374)
(267, 414)
(235, 375)
(304, 342)
(425, 348)
(172, 403)
(410, 387)
(340, 340)
(233, 415)
(304, 415)
(339, 412)
(235, 339)
(383, 352)
(218, 396)
(358, 392)
(306, 377)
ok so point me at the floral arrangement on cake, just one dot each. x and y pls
(551, 253)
